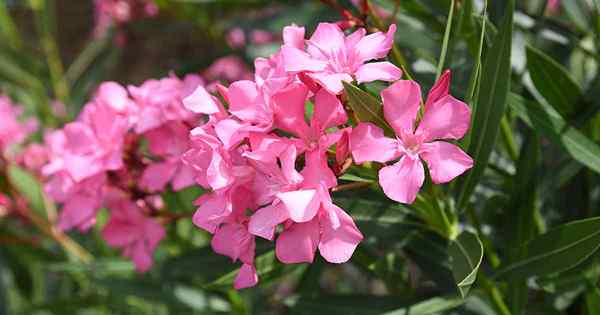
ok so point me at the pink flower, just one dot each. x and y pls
(169, 142)
(135, 233)
(13, 131)
(34, 157)
(81, 200)
(445, 118)
(313, 137)
(160, 101)
(261, 37)
(552, 6)
(236, 38)
(228, 68)
(331, 57)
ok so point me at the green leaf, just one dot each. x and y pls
(466, 254)
(521, 214)
(29, 187)
(370, 305)
(366, 107)
(592, 301)
(557, 250)
(548, 122)
(554, 83)
(432, 306)
(491, 102)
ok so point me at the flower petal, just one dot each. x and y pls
(440, 89)
(289, 109)
(445, 160)
(368, 143)
(376, 45)
(296, 60)
(293, 36)
(246, 277)
(298, 243)
(329, 111)
(157, 175)
(373, 71)
(202, 102)
(338, 244)
(448, 118)
(401, 102)
(263, 222)
(401, 182)
(332, 82)
(302, 205)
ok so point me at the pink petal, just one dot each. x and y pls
(293, 36)
(328, 39)
(316, 171)
(157, 175)
(338, 244)
(246, 103)
(213, 210)
(183, 178)
(368, 143)
(302, 205)
(329, 111)
(298, 243)
(263, 222)
(230, 132)
(296, 60)
(80, 212)
(332, 82)
(202, 102)
(113, 95)
(373, 71)
(401, 182)
(354, 38)
(440, 89)
(376, 45)
(118, 234)
(445, 160)
(289, 109)
(448, 118)
(141, 256)
(227, 240)
(401, 103)
(246, 277)
(288, 166)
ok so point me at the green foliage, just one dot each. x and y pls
(528, 210)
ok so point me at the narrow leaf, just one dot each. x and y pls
(557, 250)
(466, 254)
(548, 122)
(366, 107)
(554, 82)
(491, 102)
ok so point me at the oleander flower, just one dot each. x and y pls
(137, 234)
(444, 118)
(331, 57)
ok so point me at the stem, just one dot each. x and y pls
(45, 24)
(8, 28)
(396, 55)
(494, 294)
(356, 185)
(440, 65)
(509, 140)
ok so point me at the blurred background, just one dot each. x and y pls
(54, 53)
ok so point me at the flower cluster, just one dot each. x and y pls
(118, 12)
(97, 161)
(268, 150)
(12, 130)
